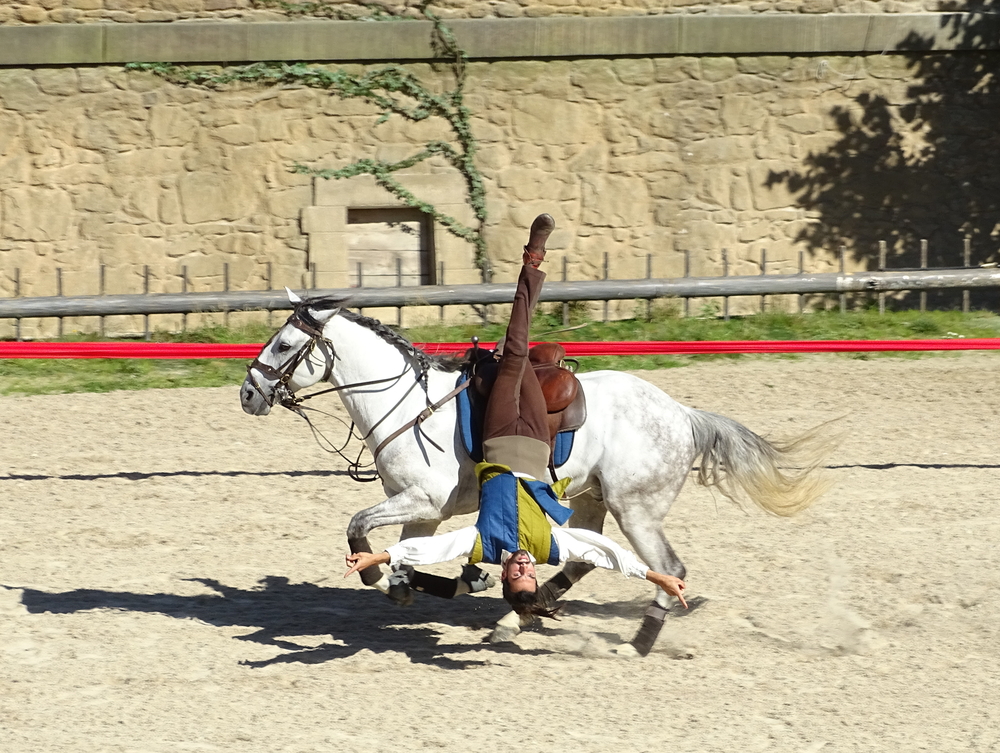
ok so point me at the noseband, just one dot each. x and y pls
(282, 375)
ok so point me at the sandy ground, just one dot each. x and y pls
(171, 581)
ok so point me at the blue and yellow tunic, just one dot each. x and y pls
(512, 515)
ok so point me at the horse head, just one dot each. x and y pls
(297, 356)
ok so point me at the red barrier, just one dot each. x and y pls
(574, 349)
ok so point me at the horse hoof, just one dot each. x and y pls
(503, 634)
(626, 651)
(401, 593)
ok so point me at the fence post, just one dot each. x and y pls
(145, 291)
(312, 269)
(966, 258)
(270, 287)
(725, 273)
(59, 292)
(361, 284)
(843, 269)
(881, 268)
(17, 294)
(565, 304)
(184, 289)
(687, 273)
(605, 277)
(225, 288)
(440, 281)
(649, 276)
(763, 272)
(399, 284)
(923, 265)
(101, 291)
(802, 270)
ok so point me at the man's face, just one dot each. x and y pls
(519, 572)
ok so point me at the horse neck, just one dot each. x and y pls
(363, 356)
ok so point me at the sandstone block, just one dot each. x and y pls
(671, 186)
(769, 192)
(209, 196)
(888, 66)
(770, 65)
(31, 14)
(614, 201)
(742, 114)
(674, 69)
(718, 68)
(36, 214)
(289, 203)
(171, 125)
(20, 92)
(57, 81)
(598, 81)
(803, 123)
(237, 134)
(95, 199)
(11, 131)
(546, 121)
(635, 71)
(728, 150)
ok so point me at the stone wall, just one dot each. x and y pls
(147, 11)
(635, 157)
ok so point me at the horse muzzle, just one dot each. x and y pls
(253, 400)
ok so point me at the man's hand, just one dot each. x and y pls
(360, 560)
(670, 584)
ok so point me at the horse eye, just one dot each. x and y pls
(282, 347)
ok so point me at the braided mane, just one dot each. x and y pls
(443, 362)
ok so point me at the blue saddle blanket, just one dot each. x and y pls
(470, 429)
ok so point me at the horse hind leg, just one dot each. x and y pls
(647, 537)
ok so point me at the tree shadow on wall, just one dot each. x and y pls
(914, 159)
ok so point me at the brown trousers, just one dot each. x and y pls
(517, 406)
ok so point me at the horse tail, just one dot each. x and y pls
(780, 478)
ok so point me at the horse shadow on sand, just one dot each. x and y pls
(280, 611)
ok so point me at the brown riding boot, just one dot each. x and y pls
(541, 229)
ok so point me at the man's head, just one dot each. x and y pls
(520, 586)
(518, 574)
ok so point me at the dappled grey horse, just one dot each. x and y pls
(630, 458)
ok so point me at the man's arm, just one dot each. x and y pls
(421, 550)
(581, 545)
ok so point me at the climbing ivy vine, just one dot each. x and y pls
(394, 90)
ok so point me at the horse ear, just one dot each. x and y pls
(291, 296)
(324, 315)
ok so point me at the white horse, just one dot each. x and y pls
(630, 458)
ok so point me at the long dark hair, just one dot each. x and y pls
(529, 602)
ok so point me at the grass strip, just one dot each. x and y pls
(39, 377)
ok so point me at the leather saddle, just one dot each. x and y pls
(564, 397)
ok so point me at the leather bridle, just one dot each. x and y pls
(282, 375)
(283, 395)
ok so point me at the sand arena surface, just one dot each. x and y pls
(171, 574)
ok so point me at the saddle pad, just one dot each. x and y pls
(470, 430)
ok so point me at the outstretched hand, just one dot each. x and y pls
(670, 584)
(361, 560)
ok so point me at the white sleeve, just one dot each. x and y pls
(426, 550)
(581, 545)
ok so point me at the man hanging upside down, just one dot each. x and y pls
(513, 528)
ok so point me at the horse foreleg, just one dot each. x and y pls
(406, 508)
